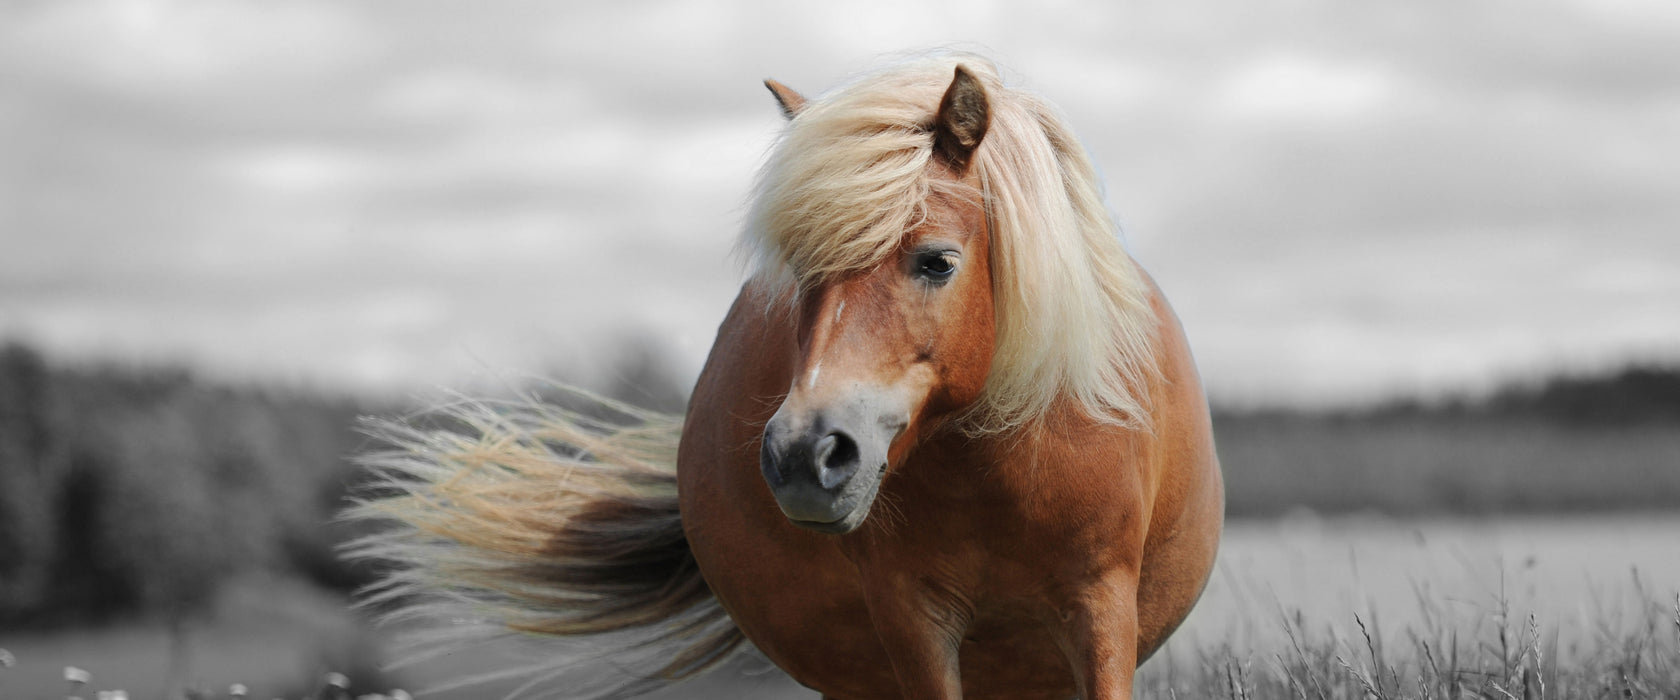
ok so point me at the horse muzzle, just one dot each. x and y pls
(824, 467)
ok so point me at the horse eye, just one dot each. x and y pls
(936, 267)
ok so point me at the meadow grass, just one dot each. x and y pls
(1300, 609)
(1500, 655)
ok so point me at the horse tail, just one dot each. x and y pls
(556, 518)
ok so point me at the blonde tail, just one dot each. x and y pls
(530, 517)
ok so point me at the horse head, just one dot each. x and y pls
(888, 351)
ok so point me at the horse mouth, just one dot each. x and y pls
(846, 523)
(853, 518)
(838, 527)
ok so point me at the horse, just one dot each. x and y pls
(950, 441)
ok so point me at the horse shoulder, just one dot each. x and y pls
(1188, 499)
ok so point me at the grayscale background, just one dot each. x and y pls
(1427, 255)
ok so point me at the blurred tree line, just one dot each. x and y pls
(1606, 442)
(141, 490)
(1631, 396)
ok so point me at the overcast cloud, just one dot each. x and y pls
(1342, 200)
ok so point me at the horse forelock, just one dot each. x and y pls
(847, 180)
(850, 177)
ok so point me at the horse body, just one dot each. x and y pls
(1043, 560)
(1022, 549)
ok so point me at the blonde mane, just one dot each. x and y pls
(850, 176)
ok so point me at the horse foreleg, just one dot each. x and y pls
(1101, 633)
(926, 664)
(921, 636)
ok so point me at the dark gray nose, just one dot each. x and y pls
(809, 472)
(807, 459)
(823, 466)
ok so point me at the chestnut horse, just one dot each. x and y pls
(949, 443)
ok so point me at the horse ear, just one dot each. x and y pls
(790, 100)
(964, 115)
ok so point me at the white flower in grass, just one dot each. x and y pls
(76, 676)
(337, 680)
(237, 690)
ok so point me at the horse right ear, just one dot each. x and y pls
(964, 115)
(790, 100)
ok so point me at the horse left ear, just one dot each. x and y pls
(790, 101)
(964, 115)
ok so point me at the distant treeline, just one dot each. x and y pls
(1630, 396)
(128, 491)
(1568, 443)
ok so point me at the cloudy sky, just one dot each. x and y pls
(1344, 200)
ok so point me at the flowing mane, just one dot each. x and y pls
(851, 175)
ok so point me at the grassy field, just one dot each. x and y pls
(1369, 607)
(1300, 607)
(1508, 656)
(277, 637)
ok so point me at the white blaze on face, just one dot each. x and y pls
(811, 381)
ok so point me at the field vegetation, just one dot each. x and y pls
(1497, 653)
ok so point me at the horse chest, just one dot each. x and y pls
(1001, 556)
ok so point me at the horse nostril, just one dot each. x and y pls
(836, 456)
(773, 468)
(845, 450)
(823, 450)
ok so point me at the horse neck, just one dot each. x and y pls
(1055, 446)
